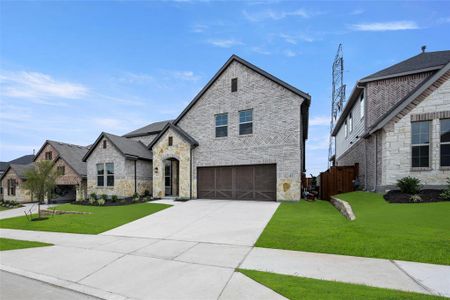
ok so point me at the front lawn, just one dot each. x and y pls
(413, 232)
(10, 244)
(293, 288)
(102, 218)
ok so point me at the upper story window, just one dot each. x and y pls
(48, 155)
(234, 84)
(11, 187)
(222, 125)
(246, 121)
(170, 141)
(61, 170)
(109, 174)
(445, 143)
(104, 144)
(100, 175)
(350, 122)
(420, 144)
(345, 129)
(362, 105)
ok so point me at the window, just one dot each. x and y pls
(350, 122)
(48, 155)
(420, 143)
(61, 170)
(234, 85)
(11, 187)
(100, 175)
(110, 174)
(104, 144)
(246, 122)
(445, 143)
(170, 142)
(345, 129)
(222, 125)
(362, 104)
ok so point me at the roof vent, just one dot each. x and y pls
(424, 47)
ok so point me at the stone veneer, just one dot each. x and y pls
(21, 194)
(123, 172)
(179, 150)
(277, 131)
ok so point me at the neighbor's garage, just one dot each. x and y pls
(252, 182)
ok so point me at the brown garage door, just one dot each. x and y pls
(253, 182)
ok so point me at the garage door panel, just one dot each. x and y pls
(252, 182)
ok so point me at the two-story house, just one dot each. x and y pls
(242, 137)
(396, 123)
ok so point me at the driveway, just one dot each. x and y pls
(207, 221)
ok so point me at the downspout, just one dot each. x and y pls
(190, 181)
(135, 180)
(376, 162)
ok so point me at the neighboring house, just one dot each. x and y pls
(12, 180)
(396, 123)
(72, 184)
(23, 160)
(118, 166)
(242, 137)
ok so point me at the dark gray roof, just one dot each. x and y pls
(20, 170)
(23, 160)
(305, 105)
(419, 63)
(72, 155)
(128, 148)
(179, 131)
(3, 166)
(152, 128)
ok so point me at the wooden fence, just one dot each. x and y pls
(337, 180)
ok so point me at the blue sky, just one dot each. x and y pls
(69, 70)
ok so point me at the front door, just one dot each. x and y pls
(168, 177)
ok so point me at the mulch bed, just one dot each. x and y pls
(120, 202)
(395, 196)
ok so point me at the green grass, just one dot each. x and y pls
(10, 244)
(413, 232)
(293, 287)
(102, 218)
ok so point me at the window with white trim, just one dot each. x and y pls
(345, 129)
(420, 144)
(221, 125)
(445, 142)
(246, 122)
(362, 105)
(350, 121)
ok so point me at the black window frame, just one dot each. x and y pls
(101, 175)
(420, 144)
(11, 184)
(246, 127)
(48, 155)
(234, 84)
(221, 130)
(444, 144)
(170, 141)
(104, 144)
(61, 170)
(109, 176)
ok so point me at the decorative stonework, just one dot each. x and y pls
(343, 207)
(21, 194)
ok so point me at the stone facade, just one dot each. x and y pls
(181, 151)
(124, 180)
(21, 194)
(277, 126)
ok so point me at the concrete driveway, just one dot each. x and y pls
(207, 221)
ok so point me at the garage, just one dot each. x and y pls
(251, 182)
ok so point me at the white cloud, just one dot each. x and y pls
(319, 121)
(318, 143)
(35, 85)
(385, 26)
(130, 77)
(109, 124)
(357, 11)
(186, 75)
(294, 38)
(270, 14)
(260, 50)
(290, 53)
(199, 28)
(224, 43)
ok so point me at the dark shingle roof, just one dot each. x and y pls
(128, 148)
(23, 160)
(21, 170)
(3, 166)
(155, 127)
(72, 154)
(423, 61)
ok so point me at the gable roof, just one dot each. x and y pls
(263, 73)
(152, 128)
(129, 148)
(23, 160)
(20, 170)
(179, 131)
(70, 153)
(426, 61)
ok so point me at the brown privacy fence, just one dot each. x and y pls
(337, 180)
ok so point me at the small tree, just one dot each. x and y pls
(41, 181)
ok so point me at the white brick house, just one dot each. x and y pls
(397, 123)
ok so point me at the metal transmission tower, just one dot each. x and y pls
(337, 98)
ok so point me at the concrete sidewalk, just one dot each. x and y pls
(17, 212)
(391, 274)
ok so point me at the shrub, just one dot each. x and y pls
(409, 185)
(135, 197)
(114, 198)
(415, 198)
(101, 202)
(92, 200)
(446, 193)
(93, 196)
(104, 197)
(146, 193)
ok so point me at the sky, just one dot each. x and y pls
(70, 70)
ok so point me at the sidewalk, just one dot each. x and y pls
(17, 212)
(391, 274)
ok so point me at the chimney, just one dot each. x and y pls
(424, 47)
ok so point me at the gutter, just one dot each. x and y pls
(135, 180)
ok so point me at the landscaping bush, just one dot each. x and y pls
(415, 198)
(136, 197)
(104, 197)
(101, 201)
(146, 193)
(409, 185)
(446, 193)
(93, 196)
(114, 198)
